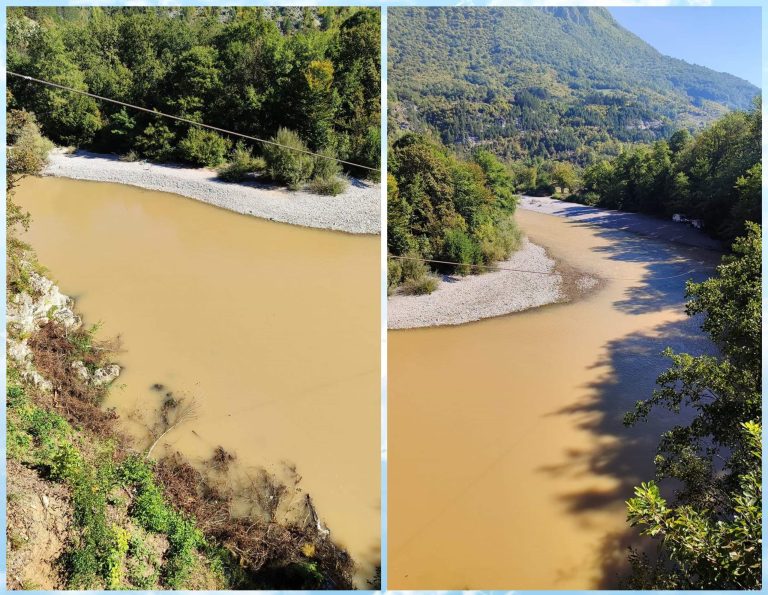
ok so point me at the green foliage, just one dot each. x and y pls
(27, 148)
(142, 564)
(420, 285)
(152, 513)
(253, 70)
(711, 534)
(287, 163)
(204, 147)
(328, 186)
(241, 164)
(714, 176)
(441, 207)
(705, 548)
(555, 83)
(115, 558)
(394, 275)
(411, 276)
(326, 168)
(156, 142)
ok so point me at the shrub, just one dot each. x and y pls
(497, 242)
(416, 276)
(412, 267)
(328, 186)
(204, 147)
(420, 285)
(28, 150)
(241, 164)
(394, 275)
(130, 156)
(326, 167)
(156, 142)
(286, 164)
(459, 247)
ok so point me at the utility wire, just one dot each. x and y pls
(512, 270)
(180, 119)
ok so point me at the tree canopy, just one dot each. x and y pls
(252, 70)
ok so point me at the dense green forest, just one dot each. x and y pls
(714, 177)
(312, 72)
(565, 83)
(442, 207)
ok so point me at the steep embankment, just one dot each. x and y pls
(88, 510)
(356, 210)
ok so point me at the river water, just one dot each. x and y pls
(273, 330)
(508, 462)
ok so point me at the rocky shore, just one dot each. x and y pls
(356, 210)
(538, 281)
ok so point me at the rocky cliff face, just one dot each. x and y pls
(30, 310)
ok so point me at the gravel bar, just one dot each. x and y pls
(356, 211)
(645, 225)
(459, 300)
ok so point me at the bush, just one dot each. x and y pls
(326, 167)
(130, 156)
(241, 164)
(394, 275)
(459, 247)
(416, 278)
(156, 142)
(328, 186)
(497, 242)
(286, 164)
(421, 285)
(204, 147)
(28, 150)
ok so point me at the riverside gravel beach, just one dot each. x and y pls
(459, 300)
(356, 210)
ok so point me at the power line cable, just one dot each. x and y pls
(180, 119)
(513, 270)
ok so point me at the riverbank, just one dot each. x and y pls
(90, 509)
(637, 223)
(356, 210)
(537, 281)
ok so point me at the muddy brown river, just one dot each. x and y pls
(508, 462)
(273, 329)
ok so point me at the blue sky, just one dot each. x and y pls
(726, 39)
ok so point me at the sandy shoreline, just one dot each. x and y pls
(356, 211)
(459, 300)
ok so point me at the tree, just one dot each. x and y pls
(704, 549)
(713, 456)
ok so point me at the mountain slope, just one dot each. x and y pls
(544, 81)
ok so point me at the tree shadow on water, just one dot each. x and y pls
(667, 268)
(617, 453)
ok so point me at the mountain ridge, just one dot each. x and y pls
(545, 81)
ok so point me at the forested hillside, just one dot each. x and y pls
(565, 83)
(315, 71)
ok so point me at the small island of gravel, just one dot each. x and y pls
(356, 210)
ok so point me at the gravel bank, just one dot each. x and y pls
(652, 227)
(357, 210)
(458, 300)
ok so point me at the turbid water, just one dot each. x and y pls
(508, 461)
(272, 329)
